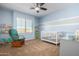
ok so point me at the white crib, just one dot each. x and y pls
(52, 37)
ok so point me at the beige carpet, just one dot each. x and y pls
(31, 48)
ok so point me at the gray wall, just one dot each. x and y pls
(69, 48)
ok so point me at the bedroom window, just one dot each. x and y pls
(28, 26)
(24, 25)
(20, 25)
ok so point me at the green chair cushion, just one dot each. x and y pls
(13, 33)
(9, 40)
(3, 40)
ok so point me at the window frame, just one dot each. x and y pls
(25, 28)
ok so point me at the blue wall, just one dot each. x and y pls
(68, 12)
(37, 22)
(48, 22)
(5, 18)
(63, 13)
(8, 16)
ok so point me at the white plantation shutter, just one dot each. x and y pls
(24, 25)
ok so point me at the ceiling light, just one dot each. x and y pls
(37, 8)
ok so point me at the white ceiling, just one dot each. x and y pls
(25, 7)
